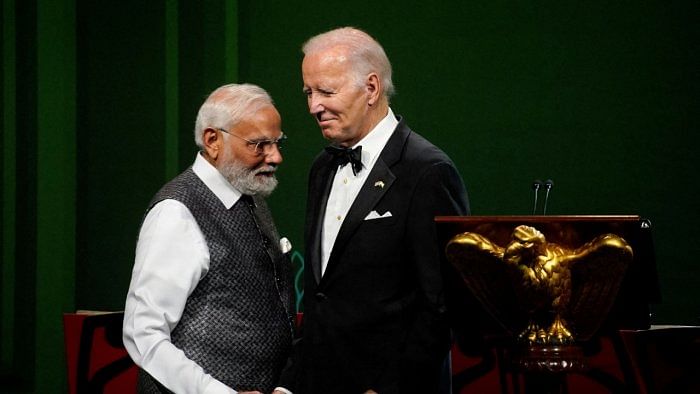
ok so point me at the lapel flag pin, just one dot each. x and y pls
(379, 184)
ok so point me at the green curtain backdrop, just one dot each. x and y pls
(99, 101)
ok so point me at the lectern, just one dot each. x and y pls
(554, 282)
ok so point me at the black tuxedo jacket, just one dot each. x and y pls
(376, 318)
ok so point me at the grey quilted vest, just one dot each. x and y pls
(238, 322)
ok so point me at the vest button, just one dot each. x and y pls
(320, 296)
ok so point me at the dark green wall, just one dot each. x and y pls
(99, 100)
(600, 97)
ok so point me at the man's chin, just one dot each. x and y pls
(256, 185)
(266, 184)
(330, 134)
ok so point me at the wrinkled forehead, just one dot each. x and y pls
(337, 55)
(265, 123)
(321, 66)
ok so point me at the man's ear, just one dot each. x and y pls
(374, 87)
(213, 143)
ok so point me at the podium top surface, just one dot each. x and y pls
(538, 218)
(568, 230)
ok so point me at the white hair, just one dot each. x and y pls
(227, 106)
(366, 54)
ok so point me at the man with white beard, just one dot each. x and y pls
(210, 304)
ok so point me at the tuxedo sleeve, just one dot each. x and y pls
(439, 191)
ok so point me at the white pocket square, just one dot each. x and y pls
(374, 215)
(285, 245)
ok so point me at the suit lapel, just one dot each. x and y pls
(377, 184)
(369, 195)
(319, 189)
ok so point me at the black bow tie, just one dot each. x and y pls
(344, 156)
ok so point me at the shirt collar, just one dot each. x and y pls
(374, 141)
(217, 183)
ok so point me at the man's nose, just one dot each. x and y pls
(315, 104)
(273, 155)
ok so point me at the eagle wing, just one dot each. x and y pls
(597, 269)
(480, 263)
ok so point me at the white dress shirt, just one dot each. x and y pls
(347, 185)
(171, 258)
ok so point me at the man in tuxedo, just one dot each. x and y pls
(374, 299)
(210, 304)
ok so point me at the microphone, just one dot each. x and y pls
(535, 186)
(547, 186)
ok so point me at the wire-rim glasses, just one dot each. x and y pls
(260, 146)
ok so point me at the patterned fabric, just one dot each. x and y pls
(238, 322)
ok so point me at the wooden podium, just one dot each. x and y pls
(498, 355)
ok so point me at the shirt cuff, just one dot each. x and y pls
(216, 387)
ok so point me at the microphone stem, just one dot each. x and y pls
(546, 198)
(534, 206)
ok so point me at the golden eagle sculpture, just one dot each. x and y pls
(543, 293)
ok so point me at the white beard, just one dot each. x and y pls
(245, 180)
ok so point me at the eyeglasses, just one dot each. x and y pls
(260, 146)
